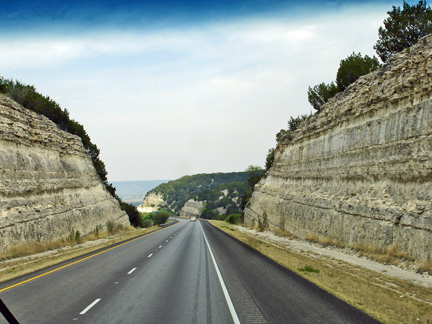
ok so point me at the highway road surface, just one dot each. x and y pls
(189, 272)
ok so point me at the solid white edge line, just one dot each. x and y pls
(132, 271)
(222, 283)
(150, 255)
(90, 306)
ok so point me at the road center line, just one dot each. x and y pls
(90, 306)
(160, 247)
(222, 283)
(149, 256)
(132, 271)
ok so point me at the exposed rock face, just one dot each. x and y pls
(151, 203)
(153, 200)
(48, 183)
(361, 170)
(191, 208)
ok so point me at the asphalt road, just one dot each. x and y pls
(186, 273)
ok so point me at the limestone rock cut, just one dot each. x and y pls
(151, 203)
(48, 185)
(191, 208)
(360, 171)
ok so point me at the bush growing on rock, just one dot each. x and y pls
(353, 67)
(403, 28)
(321, 93)
(234, 218)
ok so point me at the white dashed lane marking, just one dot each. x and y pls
(90, 306)
(85, 310)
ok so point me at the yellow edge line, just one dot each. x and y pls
(67, 265)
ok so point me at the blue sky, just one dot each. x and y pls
(30, 13)
(169, 88)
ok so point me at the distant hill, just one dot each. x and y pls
(221, 193)
(133, 192)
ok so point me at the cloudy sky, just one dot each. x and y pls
(170, 88)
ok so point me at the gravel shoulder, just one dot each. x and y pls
(345, 255)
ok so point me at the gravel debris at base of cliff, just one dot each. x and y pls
(346, 255)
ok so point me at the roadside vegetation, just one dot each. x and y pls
(391, 255)
(308, 268)
(151, 219)
(234, 218)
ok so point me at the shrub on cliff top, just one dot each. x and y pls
(353, 67)
(403, 28)
(28, 97)
(270, 159)
(320, 94)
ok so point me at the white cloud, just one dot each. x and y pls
(207, 98)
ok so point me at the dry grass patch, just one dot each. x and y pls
(324, 241)
(425, 267)
(391, 255)
(19, 251)
(74, 238)
(282, 233)
(387, 299)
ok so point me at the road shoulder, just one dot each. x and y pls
(401, 300)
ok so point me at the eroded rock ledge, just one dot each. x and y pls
(361, 170)
(48, 183)
(191, 208)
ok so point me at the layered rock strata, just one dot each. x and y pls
(360, 171)
(151, 203)
(191, 208)
(153, 200)
(48, 185)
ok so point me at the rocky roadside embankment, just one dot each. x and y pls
(360, 171)
(49, 186)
